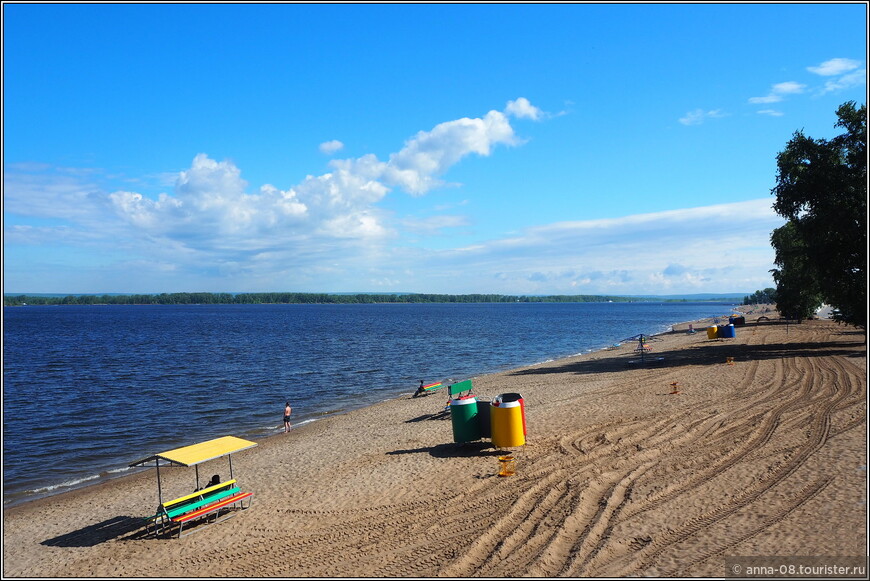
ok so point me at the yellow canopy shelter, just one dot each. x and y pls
(196, 454)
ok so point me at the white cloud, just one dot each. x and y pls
(212, 231)
(787, 88)
(836, 66)
(211, 207)
(330, 147)
(771, 112)
(848, 73)
(523, 109)
(767, 99)
(698, 116)
(210, 222)
(429, 154)
(778, 90)
(853, 79)
(687, 250)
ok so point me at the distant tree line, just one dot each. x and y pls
(203, 298)
(761, 297)
(821, 251)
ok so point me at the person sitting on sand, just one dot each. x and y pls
(419, 389)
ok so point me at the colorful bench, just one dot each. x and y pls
(168, 512)
(213, 508)
(432, 387)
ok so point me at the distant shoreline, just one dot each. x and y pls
(196, 298)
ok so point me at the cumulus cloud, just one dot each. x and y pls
(210, 207)
(214, 220)
(523, 109)
(330, 147)
(211, 200)
(429, 154)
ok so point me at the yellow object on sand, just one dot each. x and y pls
(507, 466)
(506, 423)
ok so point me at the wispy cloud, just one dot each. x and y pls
(847, 75)
(433, 225)
(779, 91)
(836, 66)
(674, 250)
(698, 116)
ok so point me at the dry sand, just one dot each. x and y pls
(765, 456)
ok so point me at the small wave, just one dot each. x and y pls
(118, 470)
(67, 484)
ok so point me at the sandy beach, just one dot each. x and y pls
(765, 455)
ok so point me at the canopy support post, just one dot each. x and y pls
(159, 489)
(230, 457)
(197, 476)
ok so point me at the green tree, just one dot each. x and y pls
(761, 297)
(821, 190)
(797, 282)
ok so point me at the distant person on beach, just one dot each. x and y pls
(419, 389)
(287, 410)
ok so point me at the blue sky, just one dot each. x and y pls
(445, 148)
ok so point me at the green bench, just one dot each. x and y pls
(458, 388)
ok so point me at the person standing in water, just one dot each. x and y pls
(287, 410)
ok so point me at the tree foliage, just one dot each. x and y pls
(201, 298)
(761, 297)
(821, 189)
(797, 282)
